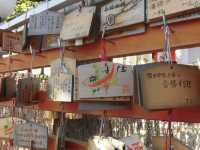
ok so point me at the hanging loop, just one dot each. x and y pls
(167, 45)
(62, 55)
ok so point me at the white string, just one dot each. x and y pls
(32, 57)
(167, 45)
(62, 55)
(104, 31)
(102, 125)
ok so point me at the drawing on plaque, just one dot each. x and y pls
(105, 79)
(31, 135)
(47, 22)
(61, 81)
(12, 41)
(77, 24)
(122, 13)
(6, 128)
(172, 8)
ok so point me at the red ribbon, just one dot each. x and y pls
(103, 50)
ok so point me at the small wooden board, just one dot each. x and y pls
(172, 8)
(12, 42)
(77, 24)
(105, 79)
(122, 13)
(159, 143)
(47, 22)
(166, 86)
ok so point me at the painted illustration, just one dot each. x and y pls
(105, 79)
(6, 128)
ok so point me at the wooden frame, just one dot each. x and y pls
(185, 35)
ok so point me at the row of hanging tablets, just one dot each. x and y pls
(23, 87)
(82, 22)
(154, 86)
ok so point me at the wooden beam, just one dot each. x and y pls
(190, 114)
(185, 35)
(8, 103)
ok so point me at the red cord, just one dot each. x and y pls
(103, 50)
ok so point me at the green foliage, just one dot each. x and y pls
(22, 6)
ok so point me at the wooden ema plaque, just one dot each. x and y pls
(47, 22)
(122, 13)
(166, 86)
(77, 24)
(172, 8)
(61, 81)
(12, 42)
(27, 90)
(7, 88)
(31, 135)
(107, 143)
(160, 143)
(105, 79)
(133, 143)
(50, 42)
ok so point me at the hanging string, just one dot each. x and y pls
(32, 58)
(167, 45)
(102, 124)
(9, 62)
(62, 55)
(62, 129)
